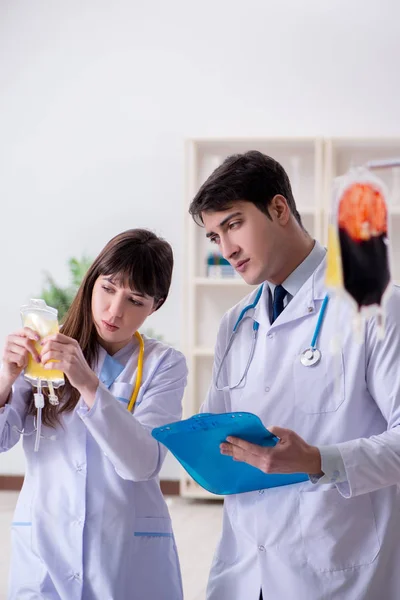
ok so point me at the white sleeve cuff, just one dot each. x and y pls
(332, 466)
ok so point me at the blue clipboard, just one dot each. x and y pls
(195, 443)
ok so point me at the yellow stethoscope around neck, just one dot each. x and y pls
(139, 373)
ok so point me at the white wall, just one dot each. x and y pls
(97, 98)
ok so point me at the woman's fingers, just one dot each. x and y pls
(30, 333)
(16, 358)
(51, 356)
(20, 344)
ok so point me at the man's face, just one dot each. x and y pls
(249, 240)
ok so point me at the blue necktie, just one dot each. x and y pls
(277, 305)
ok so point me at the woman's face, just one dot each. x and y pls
(118, 311)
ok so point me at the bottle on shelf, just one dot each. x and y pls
(218, 267)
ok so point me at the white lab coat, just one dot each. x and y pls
(91, 522)
(306, 541)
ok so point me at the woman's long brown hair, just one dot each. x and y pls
(137, 258)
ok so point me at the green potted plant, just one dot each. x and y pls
(61, 297)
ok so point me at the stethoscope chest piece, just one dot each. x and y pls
(310, 357)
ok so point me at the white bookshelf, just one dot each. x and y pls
(311, 163)
(226, 282)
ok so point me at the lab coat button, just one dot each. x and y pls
(267, 389)
(261, 492)
(77, 576)
(79, 467)
(261, 548)
(270, 335)
(310, 309)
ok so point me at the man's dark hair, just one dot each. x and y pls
(250, 177)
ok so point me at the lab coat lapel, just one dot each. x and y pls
(261, 311)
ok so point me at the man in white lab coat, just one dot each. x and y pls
(337, 535)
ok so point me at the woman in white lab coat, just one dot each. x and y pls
(91, 521)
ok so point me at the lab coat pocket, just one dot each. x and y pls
(339, 533)
(156, 553)
(27, 569)
(319, 389)
(21, 534)
(153, 527)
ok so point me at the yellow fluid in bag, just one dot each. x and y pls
(34, 370)
(334, 273)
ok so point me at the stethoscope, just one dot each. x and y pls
(308, 358)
